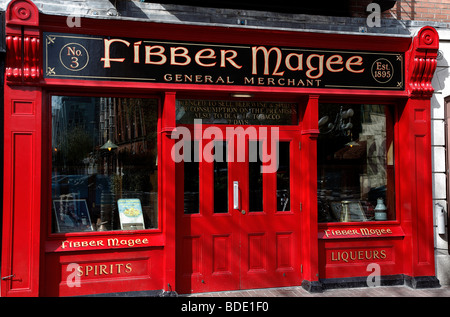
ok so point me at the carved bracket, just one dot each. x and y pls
(22, 42)
(23, 61)
(423, 62)
(22, 12)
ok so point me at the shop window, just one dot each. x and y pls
(104, 164)
(355, 163)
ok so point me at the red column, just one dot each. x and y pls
(167, 187)
(414, 163)
(22, 192)
(21, 243)
(415, 190)
(310, 256)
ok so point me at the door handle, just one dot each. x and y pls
(236, 195)
(8, 277)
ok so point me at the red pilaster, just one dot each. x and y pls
(308, 170)
(22, 158)
(167, 192)
(415, 157)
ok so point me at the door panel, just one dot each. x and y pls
(270, 239)
(254, 245)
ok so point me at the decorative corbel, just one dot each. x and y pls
(22, 42)
(423, 61)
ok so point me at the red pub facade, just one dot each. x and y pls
(143, 156)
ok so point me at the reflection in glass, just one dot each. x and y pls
(255, 177)
(104, 163)
(220, 177)
(355, 162)
(283, 177)
(191, 178)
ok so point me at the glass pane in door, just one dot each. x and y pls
(220, 177)
(255, 177)
(191, 178)
(283, 177)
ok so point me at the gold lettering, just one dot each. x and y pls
(89, 268)
(312, 69)
(334, 60)
(266, 60)
(350, 62)
(136, 52)
(333, 258)
(112, 242)
(358, 255)
(107, 59)
(220, 80)
(183, 54)
(364, 231)
(168, 77)
(299, 62)
(344, 256)
(119, 267)
(103, 269)
(200, 56)
(250, 81)
(229, 59)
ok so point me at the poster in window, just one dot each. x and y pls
(72, 215)
(130, 214)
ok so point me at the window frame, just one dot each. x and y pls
(396, 110)
(47, 164)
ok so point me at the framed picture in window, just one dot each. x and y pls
(130, 214)
(72, 215)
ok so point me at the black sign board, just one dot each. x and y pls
(69, 56)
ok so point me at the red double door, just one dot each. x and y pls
(238, 210)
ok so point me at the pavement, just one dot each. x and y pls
(380, 291)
